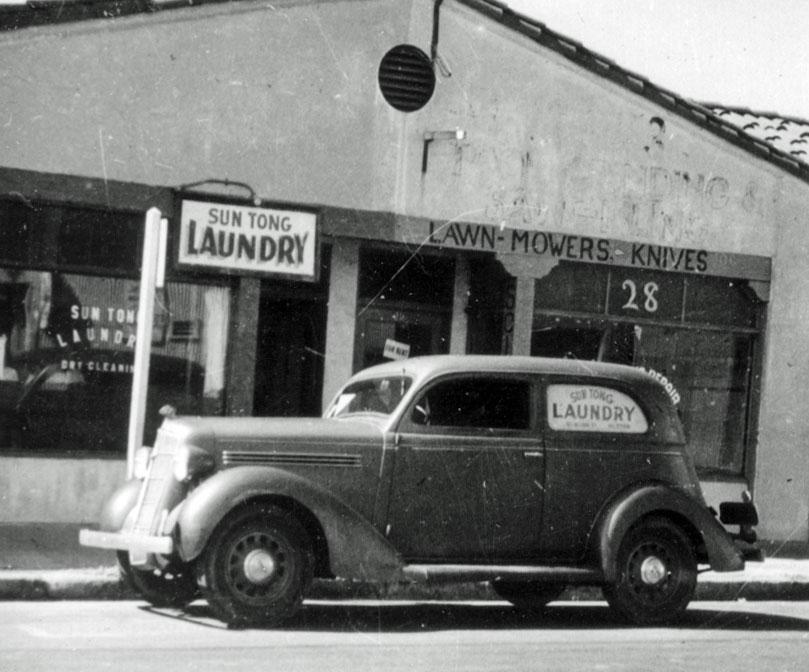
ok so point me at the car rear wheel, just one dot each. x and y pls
(656, 573)
(256, 567)
(528, 595)
(174, 586)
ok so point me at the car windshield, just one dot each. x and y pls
(379, 396)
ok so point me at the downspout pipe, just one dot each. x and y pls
(434, 41)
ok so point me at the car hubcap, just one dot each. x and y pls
(259, 566)
(652, 571)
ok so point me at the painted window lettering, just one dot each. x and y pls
(650, 303)
(587, 408)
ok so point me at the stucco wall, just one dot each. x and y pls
(782, 463)
(551, 146)
(277, 94)
(284, 96)
(56, 490)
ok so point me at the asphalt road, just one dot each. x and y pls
(360, 636)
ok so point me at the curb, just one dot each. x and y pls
(104, 583)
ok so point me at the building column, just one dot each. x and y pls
(341, 318)
(523, 315)
(460, 320)
(244, 337)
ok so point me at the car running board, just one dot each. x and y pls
(449, 573)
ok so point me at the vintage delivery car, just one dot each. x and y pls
(533, 474)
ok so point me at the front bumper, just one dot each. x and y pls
(122, 541)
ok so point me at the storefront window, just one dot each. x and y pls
(696, 334)
(710, 377)
(405, 306)
(67, 337)
(69, 355)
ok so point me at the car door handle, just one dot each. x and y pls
(535, 454)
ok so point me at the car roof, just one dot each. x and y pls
(655, 397)
(429, 366)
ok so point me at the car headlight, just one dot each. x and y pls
(191, 462)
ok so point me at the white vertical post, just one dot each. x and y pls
(143, 342)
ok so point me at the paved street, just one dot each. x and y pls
(334, 636)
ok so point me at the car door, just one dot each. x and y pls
(597, 436)
(468, 474)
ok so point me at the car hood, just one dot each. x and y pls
(261, 433)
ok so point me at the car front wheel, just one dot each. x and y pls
(256, 567)
(656, 573)
(173, 586)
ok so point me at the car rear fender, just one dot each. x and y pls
(661, 499)
(356, 548)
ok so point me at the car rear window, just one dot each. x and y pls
(593, 408)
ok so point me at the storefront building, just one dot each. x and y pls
(346, 182)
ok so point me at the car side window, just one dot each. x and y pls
(593, 408)
(481, 403)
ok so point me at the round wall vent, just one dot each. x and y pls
(406, 78)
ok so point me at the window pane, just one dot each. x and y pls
(15, 231)
(99, 239)
(380, 395)
(50, 235)
(590, 408)
(477, 402)
(69, 351)
(710, 372)
(388, 276)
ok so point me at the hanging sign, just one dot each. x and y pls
(237, 238)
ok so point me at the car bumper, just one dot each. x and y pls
(745, 515)
(749, 550)
(123, 541)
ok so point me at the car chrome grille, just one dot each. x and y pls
(237, 457)
(154, 486)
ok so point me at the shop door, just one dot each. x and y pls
(405, 300)
(289, 358)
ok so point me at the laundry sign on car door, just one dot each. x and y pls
(233, 237)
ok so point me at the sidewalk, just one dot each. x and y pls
(46, 562)
(774, 579)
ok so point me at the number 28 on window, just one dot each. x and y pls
(635, 301)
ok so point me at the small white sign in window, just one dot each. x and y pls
(591, 408)
(396, 350)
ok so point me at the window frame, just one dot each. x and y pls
(409, 426)
(651, 435)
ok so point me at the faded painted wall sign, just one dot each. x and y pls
(248, 239)
(588, 249)
(588, 408)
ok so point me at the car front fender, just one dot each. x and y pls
(118, 505)
(661, 499)
(357, 550)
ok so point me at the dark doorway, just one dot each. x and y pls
(291, 347)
